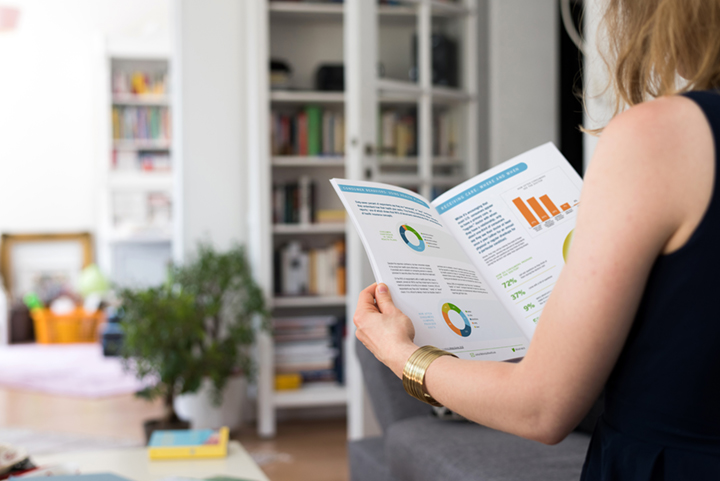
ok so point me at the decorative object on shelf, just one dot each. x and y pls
(280, 74)
(199, 325)
(330, 77)
(43, 263)
(139, 83)
(444, 60)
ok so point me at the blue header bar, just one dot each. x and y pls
(358, 189)
(482, 186)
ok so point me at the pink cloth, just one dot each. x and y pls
(78, 370)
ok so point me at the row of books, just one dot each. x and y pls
(396, 133)
(311, 131)
(294, 202)
(309, 348)
(139, 83)
(310, 271)
(133, 123)
(132, 161)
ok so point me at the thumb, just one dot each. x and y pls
(383, 298)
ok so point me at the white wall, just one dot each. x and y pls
(209, 124)
(49, 70)
(523, 76)
(599, 107)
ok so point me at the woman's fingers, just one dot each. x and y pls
(383, 298)
(366, 304)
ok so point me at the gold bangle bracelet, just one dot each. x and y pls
(414, 372)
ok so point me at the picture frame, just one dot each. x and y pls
(27, 259)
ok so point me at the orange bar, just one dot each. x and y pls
(550, 206)
(565, 206)
(538, 209)
(525, 212)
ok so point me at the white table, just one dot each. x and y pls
(134, 464)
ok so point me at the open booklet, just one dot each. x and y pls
(474, 268)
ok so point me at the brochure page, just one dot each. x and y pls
(516, 222)
(429, 275)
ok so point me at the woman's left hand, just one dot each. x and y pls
(383, 328)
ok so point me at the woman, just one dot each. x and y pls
(634, 309)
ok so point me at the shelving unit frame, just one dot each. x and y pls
(364, 94)
(111, 180)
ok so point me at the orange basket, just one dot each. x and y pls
(78, 326)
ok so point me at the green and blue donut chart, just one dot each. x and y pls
(406, 228)
(465, 331)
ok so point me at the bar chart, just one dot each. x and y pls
(544, 201)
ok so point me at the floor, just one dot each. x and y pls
(303, 450)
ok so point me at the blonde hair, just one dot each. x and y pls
(648, 42)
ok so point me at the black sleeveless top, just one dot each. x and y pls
(662, 401)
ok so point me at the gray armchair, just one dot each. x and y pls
(417, 446)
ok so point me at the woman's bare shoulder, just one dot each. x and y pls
(661, 151)
(660, 129)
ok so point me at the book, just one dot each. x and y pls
(314, 120)
(189, 443)
(474, 268)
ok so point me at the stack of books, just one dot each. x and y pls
(141, 123)
(139, 83)
(308, 349)
(309, 132)
(317, 271)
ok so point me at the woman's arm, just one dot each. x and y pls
(646, 191)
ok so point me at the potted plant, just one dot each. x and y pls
(195, 332)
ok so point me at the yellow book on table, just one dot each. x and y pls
(188, 444)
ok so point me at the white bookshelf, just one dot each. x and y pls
(139, 254)
(360, 34)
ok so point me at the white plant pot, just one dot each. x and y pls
(198, 408)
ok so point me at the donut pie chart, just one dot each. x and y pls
(465, 331)
(404, 229)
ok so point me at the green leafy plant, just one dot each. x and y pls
(200, 324)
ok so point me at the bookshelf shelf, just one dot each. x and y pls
(149, 100)
(306, 9)
(307, 96)
(293, 229)
(318, 395)
(140, 180)
(449, 94)
(301, 161)
(141, 144)
(410, 161)
(140, 238)
(389, 89)
(443, 7)
(308, 301)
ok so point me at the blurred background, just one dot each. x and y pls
(149, 147)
